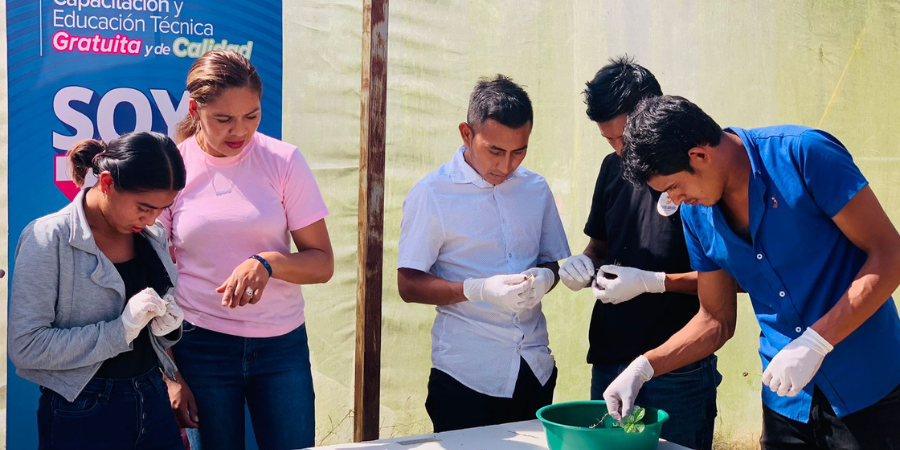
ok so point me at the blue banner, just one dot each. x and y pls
(81, 69)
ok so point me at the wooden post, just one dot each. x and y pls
(367, 389)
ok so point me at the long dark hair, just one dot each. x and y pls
(138, 162)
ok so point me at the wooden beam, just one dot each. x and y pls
(367, 389)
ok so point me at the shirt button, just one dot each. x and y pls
(781, 294)
(798, 329)
(515, 320)
(759, 256)
(509, 255)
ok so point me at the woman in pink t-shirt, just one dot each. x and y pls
(247, 197)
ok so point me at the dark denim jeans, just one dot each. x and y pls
(874, 428)
(687, 394)
(131, 413)
(272, 375)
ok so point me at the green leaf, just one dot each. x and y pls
(639, 414)
(638, 428)
(627, 420)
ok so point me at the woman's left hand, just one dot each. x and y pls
(245, 285)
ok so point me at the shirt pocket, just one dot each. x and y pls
(525, 239)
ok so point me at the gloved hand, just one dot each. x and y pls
(628, 284)
(620, 394)
(170, 320)
(140, 309)
(577, 272)
(504, 292)
(796, 364)
(542, 282)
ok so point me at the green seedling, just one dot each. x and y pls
(600, 422)
(632, 423)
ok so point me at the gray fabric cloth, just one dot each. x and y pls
(66, 302)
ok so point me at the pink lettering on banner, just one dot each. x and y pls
(117, 45)
(62, 179)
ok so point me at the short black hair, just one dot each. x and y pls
(500, 99)
(617, 88)
(659, 134)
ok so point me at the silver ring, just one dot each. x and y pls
(249, 292)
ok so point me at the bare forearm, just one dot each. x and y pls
(685, 283)
(419, 287)
(707, 331)
(876, 281)
(596, 250)
(864, 222)
(701, 337)
(310, 266)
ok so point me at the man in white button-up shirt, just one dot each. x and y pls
(480, 239)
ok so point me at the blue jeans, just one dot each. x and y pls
(132, 413)
(272, 375)
(688, 394)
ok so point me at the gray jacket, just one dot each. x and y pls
(66, 301)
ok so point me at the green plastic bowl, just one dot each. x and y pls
(568, 428)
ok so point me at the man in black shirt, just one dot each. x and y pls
(645, 288)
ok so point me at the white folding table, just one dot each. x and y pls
(508, 436)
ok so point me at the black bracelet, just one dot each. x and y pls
(264, 263)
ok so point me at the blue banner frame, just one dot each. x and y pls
(81, 69)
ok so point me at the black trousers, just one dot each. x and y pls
(453, 406)
(874, 428)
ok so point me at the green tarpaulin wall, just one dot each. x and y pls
(830, 64)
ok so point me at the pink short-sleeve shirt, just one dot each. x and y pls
(231, 208)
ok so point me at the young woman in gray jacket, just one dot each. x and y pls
(87, 282)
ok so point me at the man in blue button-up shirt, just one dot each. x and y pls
(784, 212)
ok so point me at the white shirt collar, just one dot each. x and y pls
(461, 172)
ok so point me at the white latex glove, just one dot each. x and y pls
(542, 282)
(577, 272)
(170, 320)
(504, 292)
(628, 284)
(140, 309)
(796, 364)
(620, 394)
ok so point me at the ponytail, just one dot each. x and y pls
(84, 156)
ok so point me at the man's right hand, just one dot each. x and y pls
(622, 392)
(504, 292)
(577, 272)
(183, 404)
